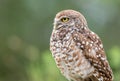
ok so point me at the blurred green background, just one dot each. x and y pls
(26, 26)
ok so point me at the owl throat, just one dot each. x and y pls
(65, 33)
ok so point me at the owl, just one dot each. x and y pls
(78, 51)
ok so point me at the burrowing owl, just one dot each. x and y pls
(78, 52)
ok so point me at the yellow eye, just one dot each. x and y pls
(65, 19)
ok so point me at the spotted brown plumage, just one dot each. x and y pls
(78, 52)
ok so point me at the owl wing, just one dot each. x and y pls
(93, 50)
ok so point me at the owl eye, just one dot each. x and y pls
(65, 19)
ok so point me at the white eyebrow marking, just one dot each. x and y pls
(56, 19)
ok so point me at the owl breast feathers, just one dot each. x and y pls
(78, 52)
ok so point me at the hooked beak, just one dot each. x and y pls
(57, 25)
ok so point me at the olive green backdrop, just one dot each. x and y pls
(26, 26)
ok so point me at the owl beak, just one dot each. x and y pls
(57, 25)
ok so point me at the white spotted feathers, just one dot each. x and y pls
(78, 52)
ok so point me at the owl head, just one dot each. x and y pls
(69, 18)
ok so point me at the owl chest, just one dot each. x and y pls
(66, 55)
(63, 55)
(61, 47)
(69, 58)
